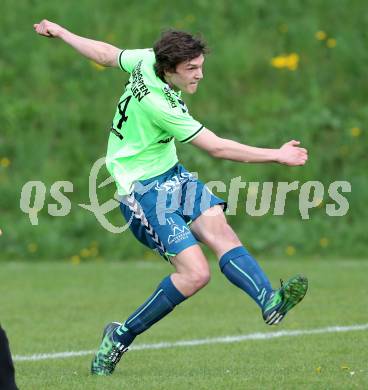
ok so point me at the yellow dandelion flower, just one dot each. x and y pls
(331, 42)
(97, 66)
(75, 259)
(283, 28)
(292, 61)
(320, 35)
(355, 132)
(290, 250)
(279, 62)
(85, 252)
(5, 162)
(32, 247)
(293, 57)
(345, 367)
(324, 242)
(318, 370)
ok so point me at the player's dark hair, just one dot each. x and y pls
(174, 47)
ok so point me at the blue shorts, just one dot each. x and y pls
(161, 209)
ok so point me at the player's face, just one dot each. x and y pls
(187, 76)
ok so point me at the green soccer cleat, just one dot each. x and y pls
(109, 352)
(284, 299)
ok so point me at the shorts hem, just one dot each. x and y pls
(181, 250)
(220, 202)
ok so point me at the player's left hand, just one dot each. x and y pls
(291, 154)
(48, 29)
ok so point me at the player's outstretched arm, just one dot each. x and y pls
(288, 154)
(100, 52)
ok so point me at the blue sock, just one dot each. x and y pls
(243, 271)
(157, 306)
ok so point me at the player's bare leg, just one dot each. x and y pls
(212, 229)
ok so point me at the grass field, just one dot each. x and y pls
(58, 307)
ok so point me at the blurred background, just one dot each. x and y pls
(277, 71)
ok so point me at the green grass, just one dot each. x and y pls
(56, 307)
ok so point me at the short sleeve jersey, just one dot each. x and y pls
(149, 117)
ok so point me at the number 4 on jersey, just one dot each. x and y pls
(122, 107)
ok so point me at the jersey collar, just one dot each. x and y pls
(166, 85)
(177, 93)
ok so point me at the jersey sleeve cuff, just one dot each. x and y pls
(119, 61)
(194, 135)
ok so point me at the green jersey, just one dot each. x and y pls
(149, 117)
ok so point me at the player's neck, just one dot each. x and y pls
(170, 84)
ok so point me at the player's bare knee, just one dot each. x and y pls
(203, 278)
(199, 278)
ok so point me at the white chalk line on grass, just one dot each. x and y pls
(192, 343)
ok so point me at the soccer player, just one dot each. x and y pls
(168, 208)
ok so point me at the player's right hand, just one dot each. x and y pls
(291, 154)
(48, 29)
